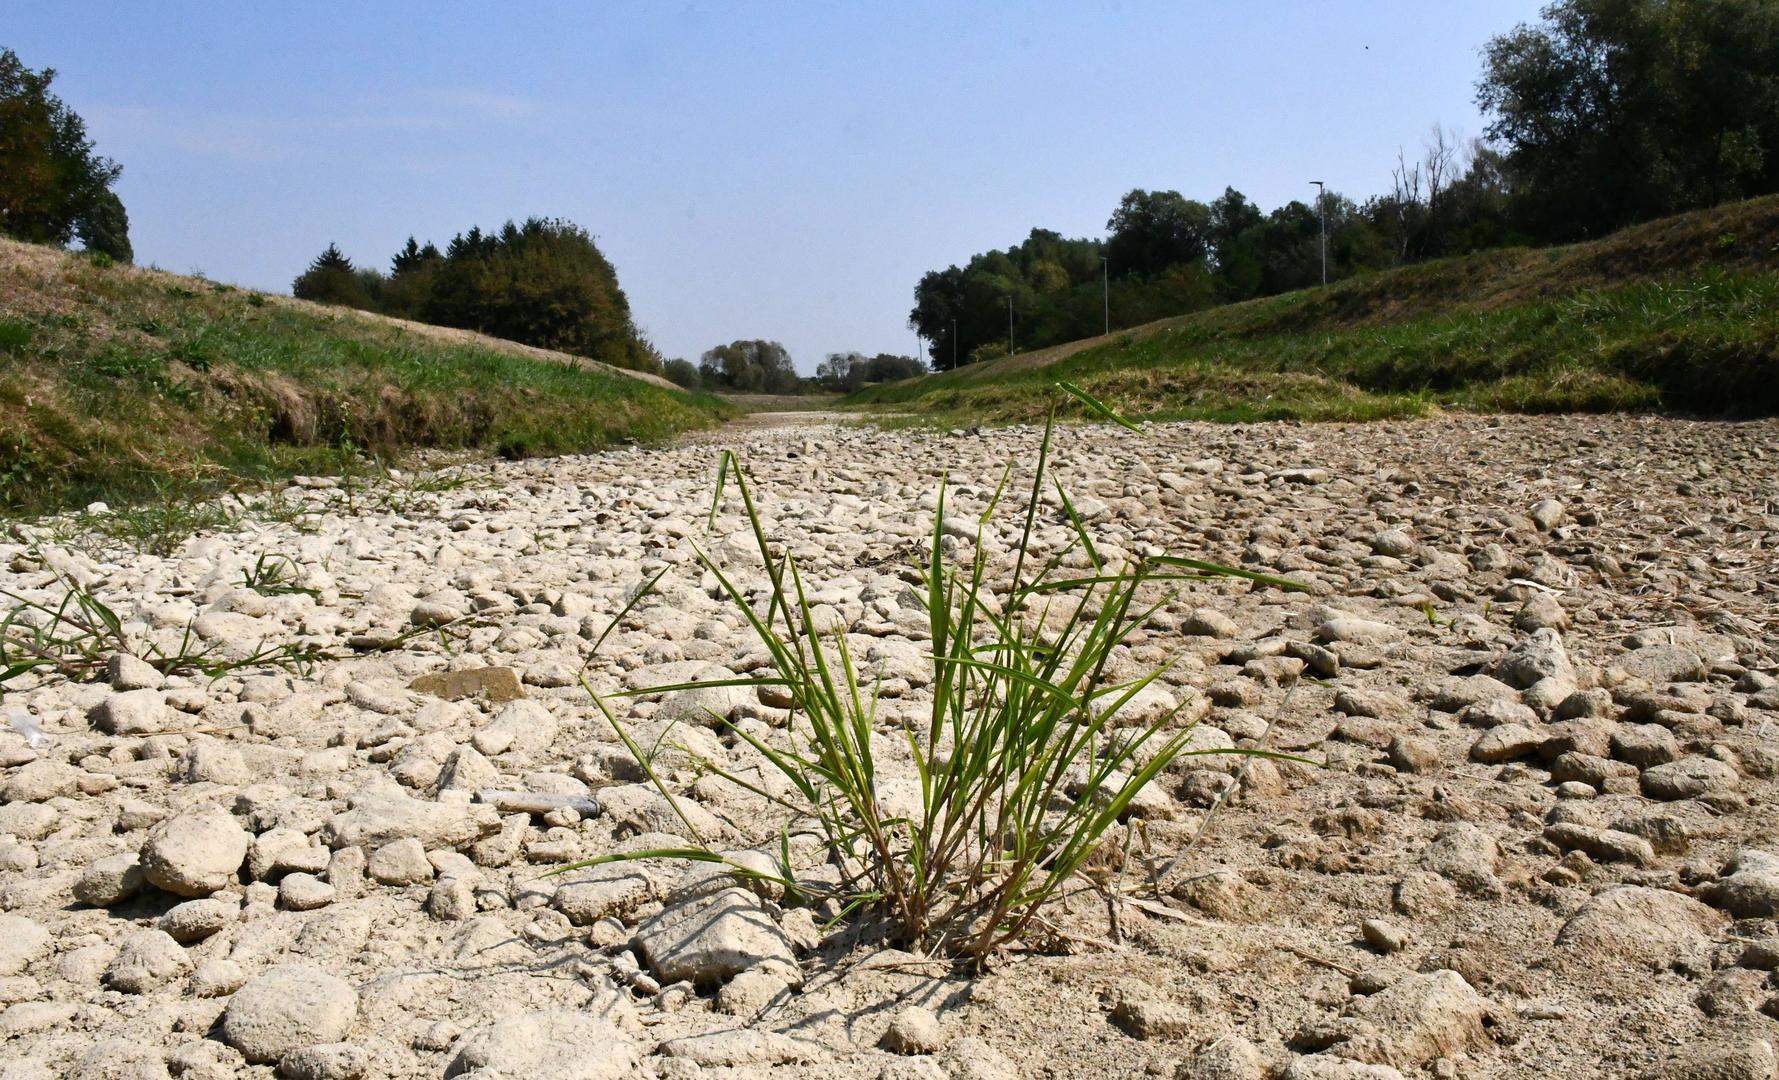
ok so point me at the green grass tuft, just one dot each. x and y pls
(1027, 762)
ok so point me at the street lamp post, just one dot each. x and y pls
(1106, 290)
(1322, 218)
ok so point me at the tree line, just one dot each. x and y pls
(1604, 114)
(764, 367)
(541, 282)
(544, 282)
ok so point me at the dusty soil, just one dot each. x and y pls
(1535, 673)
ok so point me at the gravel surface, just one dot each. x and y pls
(1535, 670)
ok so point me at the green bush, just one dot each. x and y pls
(15, 336)
(683, 373)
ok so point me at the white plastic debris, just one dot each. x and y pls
(22, 723)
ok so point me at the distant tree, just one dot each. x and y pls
(750, 367)
(330, 279)
(1481, 203)
(1616, 111)
(1053, 282)
(1231, 216)
(413, 257)
(893, 367)
(1178, 289)
(842, 372)
(683, 373)
(938, 309)
(544, 282)
(409, 285)
(1451, 200)
(1232, 247)
(372, 288)
(846, 372)
(1290, 248)
(1153, 230)
(1283, 250)
(105, 227)
(51, 182)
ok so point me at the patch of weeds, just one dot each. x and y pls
(15, 335)
(127, 364)
(275, 575)
(404, 495)
(197, 352)
(157, 526)
(1028, 759)
(356, 472)
(923, 421)
(78, 635)
(20, 468)
(436, 483)
(278, 506)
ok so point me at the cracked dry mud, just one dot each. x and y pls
(1538, 662)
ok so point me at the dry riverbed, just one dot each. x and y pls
(1537, 662)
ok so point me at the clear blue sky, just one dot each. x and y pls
(784, 171)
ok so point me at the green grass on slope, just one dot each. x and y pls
(1677, 315)
(118, 384)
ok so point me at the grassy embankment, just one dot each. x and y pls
(1680, 314)
(124, 384)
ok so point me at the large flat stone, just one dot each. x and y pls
(379, 814)
(711, 937)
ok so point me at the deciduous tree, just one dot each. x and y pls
(1153, 230)
(751, 367)
(1616, 111)
(51, 182)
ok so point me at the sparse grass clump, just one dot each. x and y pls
(156, 525)
(76, 637)
(1026, 761)
(275, 575)
(76, 634)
